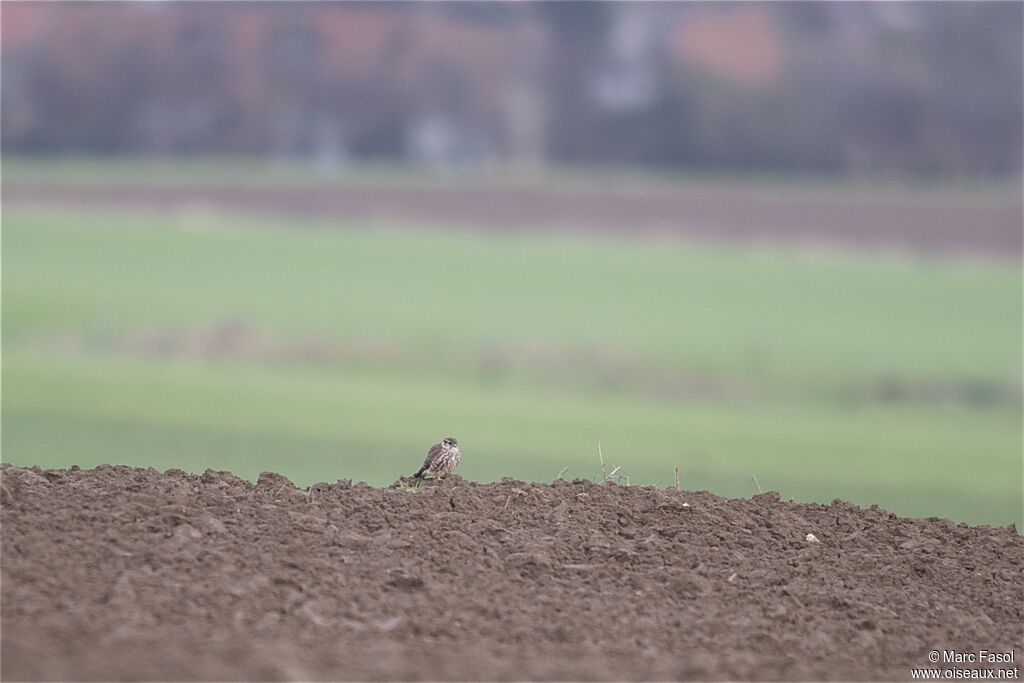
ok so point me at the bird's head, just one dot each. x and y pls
(450, 441)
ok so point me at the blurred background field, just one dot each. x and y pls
(330, 350)
(839, 323)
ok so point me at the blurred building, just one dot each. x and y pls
(918, 87)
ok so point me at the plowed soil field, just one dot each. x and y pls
(132, 574)
(923, 226)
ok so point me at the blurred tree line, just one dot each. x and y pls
(929, 87)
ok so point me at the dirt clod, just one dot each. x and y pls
(129, 574)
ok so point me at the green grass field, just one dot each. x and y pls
(877, 380)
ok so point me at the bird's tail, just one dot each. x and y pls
(419, 473)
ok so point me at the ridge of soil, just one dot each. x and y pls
(120, 573)
(919, 226)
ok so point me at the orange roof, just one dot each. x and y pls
(741, 44)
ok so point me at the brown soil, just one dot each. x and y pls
(925, 226)
(120, 573)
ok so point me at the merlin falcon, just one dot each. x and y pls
(442, 458)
